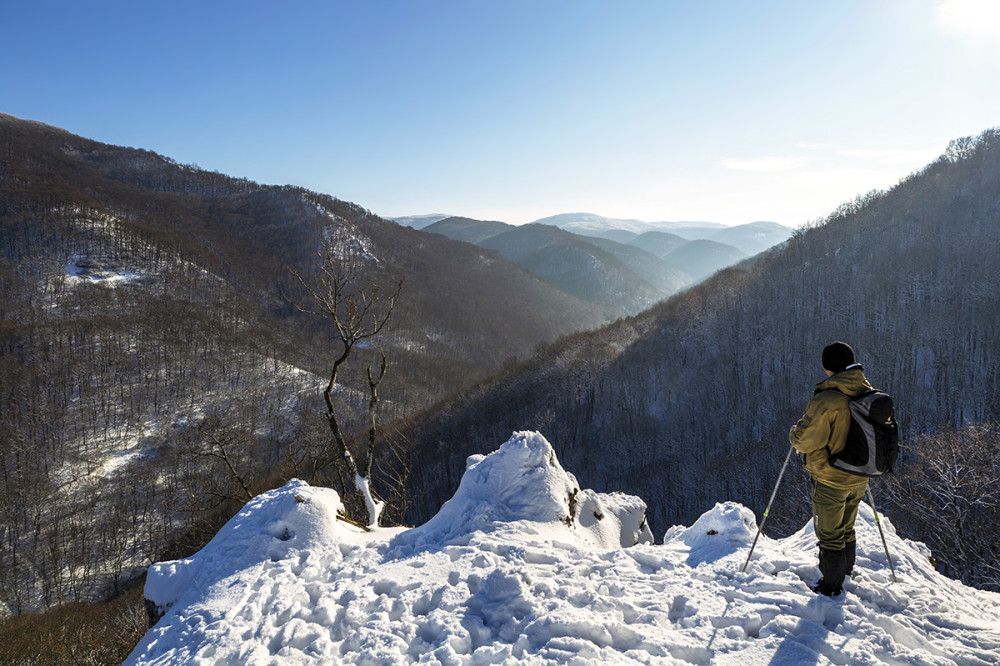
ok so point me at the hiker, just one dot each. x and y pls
(836, 494)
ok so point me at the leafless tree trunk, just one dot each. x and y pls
(359, 309)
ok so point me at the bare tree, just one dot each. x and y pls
(359, 307)
(946, 491)
(223, 445)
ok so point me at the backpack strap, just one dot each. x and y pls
(849, 397)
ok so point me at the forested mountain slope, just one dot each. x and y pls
(147, 349)
(248, 235)
(690, 403)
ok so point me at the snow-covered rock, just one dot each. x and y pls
(614, 520)
(516, 568)
(725, 529)
(272, 527)
(524, 482)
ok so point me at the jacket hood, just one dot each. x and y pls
(851, 382)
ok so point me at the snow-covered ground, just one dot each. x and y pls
(518, 568)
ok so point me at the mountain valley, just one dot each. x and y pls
(156, 374)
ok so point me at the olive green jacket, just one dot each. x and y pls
(822, 430)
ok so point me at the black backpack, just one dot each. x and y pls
(873, 441)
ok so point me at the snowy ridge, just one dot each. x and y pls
(513, 570)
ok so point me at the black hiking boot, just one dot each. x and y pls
(833, 566)
(850, 553)
(826, 589)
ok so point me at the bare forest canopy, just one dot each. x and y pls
(153, 370)
(690, 402)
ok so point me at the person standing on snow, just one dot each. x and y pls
(836, 494)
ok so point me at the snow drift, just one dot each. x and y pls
(523, 566)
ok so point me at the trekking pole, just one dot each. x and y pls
(768, 509)
(882, 534)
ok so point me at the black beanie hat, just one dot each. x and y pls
(837, 356)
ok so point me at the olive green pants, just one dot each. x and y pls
(834, 512)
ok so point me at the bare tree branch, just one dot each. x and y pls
(223, 455)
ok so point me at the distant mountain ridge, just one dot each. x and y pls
(603, 271)
(468, 230)
(702, 257)
(749, 238)
(660, 243)
(591, 224)
(606, 261)
(419, 221)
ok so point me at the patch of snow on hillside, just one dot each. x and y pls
(116, 462)
(508, 573)
(83, 269)
(345, 237)
(349, 243)
(94, 264)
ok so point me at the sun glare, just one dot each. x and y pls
(970, 18)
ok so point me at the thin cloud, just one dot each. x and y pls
(765, 164)
(893, 156)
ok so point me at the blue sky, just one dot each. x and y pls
(730, 111)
